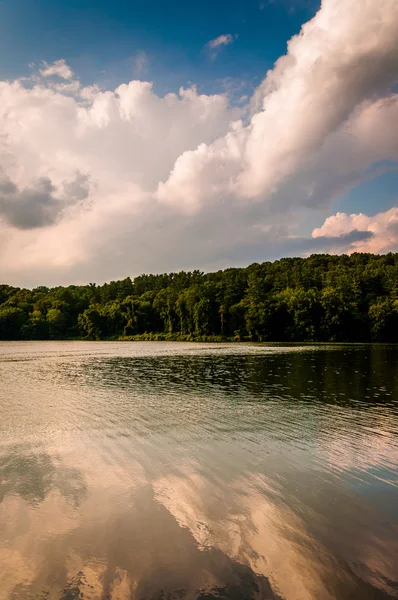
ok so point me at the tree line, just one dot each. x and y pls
(320, 298)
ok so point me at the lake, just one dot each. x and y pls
(165, 471)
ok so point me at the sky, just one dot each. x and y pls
(157, 136)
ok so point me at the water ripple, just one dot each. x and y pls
(155, 470)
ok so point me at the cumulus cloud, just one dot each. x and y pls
(98, 184)
(58, 68)
(382, 230)
(331, 69)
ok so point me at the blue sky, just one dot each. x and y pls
(101, 39)
(316, 134)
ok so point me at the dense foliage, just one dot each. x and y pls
(320, 298)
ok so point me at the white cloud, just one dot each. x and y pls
(58, 68)
(184, 180)
(331, 69)
(214, 46)
(221, 40)
(383, 228)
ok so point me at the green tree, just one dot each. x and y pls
(36, 327)
(90, 324)
(12, 320)
(323, 297)
(165, 305)
(56, 322)
(383, 315)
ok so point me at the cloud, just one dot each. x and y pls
(39, 205)
(29, 208)
(58, 68)
(320, 87)
(221, 40)
(186, 180)
(214, 46)
(141, 62)
(382, 230)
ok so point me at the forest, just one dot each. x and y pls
(322, 298)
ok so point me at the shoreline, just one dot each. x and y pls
(162, 338)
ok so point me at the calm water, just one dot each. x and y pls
(179, 471)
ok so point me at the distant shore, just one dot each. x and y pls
(322, 298)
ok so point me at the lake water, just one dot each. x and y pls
(165, 471)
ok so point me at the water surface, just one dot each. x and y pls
(173, 471)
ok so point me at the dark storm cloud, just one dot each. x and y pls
(39, 205)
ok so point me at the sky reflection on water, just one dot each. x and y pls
(191, 471)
